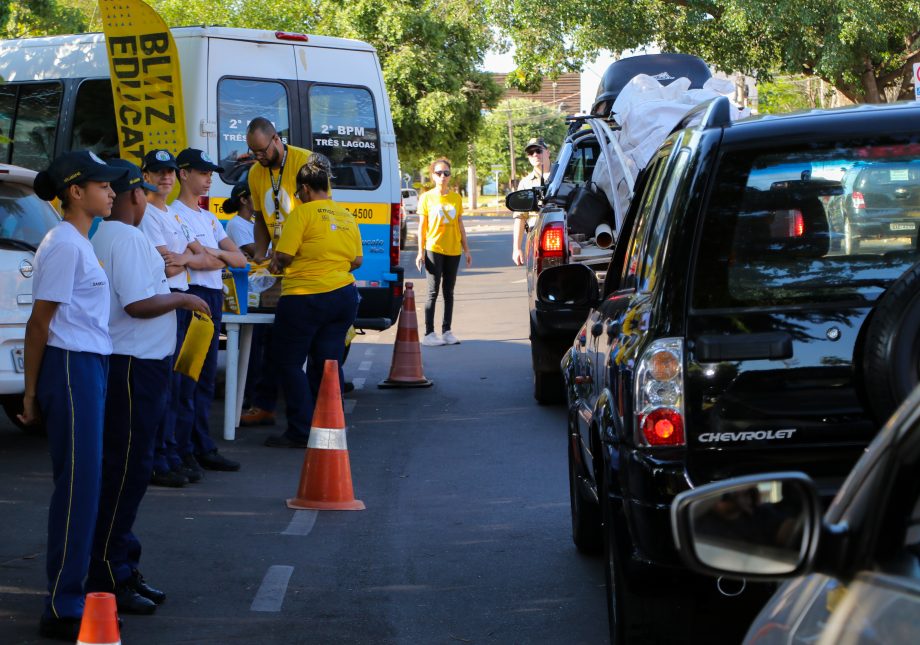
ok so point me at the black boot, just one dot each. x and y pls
(140, 586)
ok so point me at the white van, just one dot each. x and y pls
(24, 220)
(324, 94)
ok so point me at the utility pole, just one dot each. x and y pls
(512, 181)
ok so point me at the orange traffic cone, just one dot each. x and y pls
(99, 625)
(406, 368)
(325, 480)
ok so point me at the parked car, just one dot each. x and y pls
(853, 574)
(569, 214)
(409, 220)
(726, 337)
(881, 201)
(24, 220)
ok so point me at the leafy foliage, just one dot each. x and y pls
(21, 19)
(864, 48)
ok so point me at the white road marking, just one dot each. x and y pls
(358, 382)
(302, 523)
(519, 281)
(349, 405)
(270, 595)
(365, 366)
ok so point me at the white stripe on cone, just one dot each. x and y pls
(327, 439)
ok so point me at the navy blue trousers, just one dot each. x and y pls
(166, 455)
(313, 327)
(135, 403)
(193, 400)
(71, 396)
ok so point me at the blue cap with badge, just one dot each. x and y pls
(157, 160)
(197, 160)
(132, 178)
(73, 168)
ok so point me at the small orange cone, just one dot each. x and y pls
(325, 480)
(406, 368)
(99, 625)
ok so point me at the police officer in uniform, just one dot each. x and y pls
(538, 156)
(142, 325)
(66, 359)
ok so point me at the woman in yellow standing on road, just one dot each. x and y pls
(319, 247)
(441, 238)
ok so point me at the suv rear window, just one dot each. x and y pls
(791, 227)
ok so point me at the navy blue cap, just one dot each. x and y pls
(232, 204)
(73, 168)
(132, 179)
(196, 160)
(158, 159)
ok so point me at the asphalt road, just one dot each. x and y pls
(466, 536)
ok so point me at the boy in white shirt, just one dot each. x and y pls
(142, 325)
(195, 398)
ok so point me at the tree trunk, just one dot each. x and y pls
(870, 84)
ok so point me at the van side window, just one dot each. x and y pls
(93, 116)
(344, 128)
(32, 112)
(239, 101)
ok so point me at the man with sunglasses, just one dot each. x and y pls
(273, 188)
(538, 156)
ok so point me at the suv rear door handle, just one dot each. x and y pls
(773, 345)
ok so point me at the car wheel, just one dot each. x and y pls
(548, 388)
(850, 238)
(12, 405)
(586, 520)
(891, 358)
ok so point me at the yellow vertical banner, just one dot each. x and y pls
(146, 81)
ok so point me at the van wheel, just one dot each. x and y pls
(891, 360)
(850, 238)
(12, 405)
(586, 520)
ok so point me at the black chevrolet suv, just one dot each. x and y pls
(733, 333)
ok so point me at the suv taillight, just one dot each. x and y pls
(395, 215)
(552, 246)
(660, 394)
(858, 200)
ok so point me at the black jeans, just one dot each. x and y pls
(442, 273)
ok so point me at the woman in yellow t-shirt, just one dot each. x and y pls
(441, 237)
(319, 247)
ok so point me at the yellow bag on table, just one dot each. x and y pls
(195, 346)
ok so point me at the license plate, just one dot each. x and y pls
(902, 226)
(19, 359)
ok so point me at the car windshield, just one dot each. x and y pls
(804, 226)
(24, 218)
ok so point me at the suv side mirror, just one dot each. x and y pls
(569, 285)
(521, 201)
(760, 527)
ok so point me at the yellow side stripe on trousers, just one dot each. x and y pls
(73, 451)
(124, 475)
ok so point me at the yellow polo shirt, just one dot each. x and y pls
(260, 186)
(440, 215)
(324, 238)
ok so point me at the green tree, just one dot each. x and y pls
(21, 19)
(529, 119)
(863, 48)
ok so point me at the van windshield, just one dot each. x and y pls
(24, 218)
(803, 226)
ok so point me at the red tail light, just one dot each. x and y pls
(798, 225)
(289, 35)
(395, 215)
(663, 427)
(552, 246)
(858, 200)
(204, 202)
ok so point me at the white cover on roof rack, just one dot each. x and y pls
(647, 112)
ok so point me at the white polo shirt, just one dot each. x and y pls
(207, 229)
(166, 228)
(136, 271)
(68, 273)
(241, 231)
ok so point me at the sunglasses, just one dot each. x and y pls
(443, 173)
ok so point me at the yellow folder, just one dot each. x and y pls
(195, 347)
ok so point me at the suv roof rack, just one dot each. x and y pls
(711, 114)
